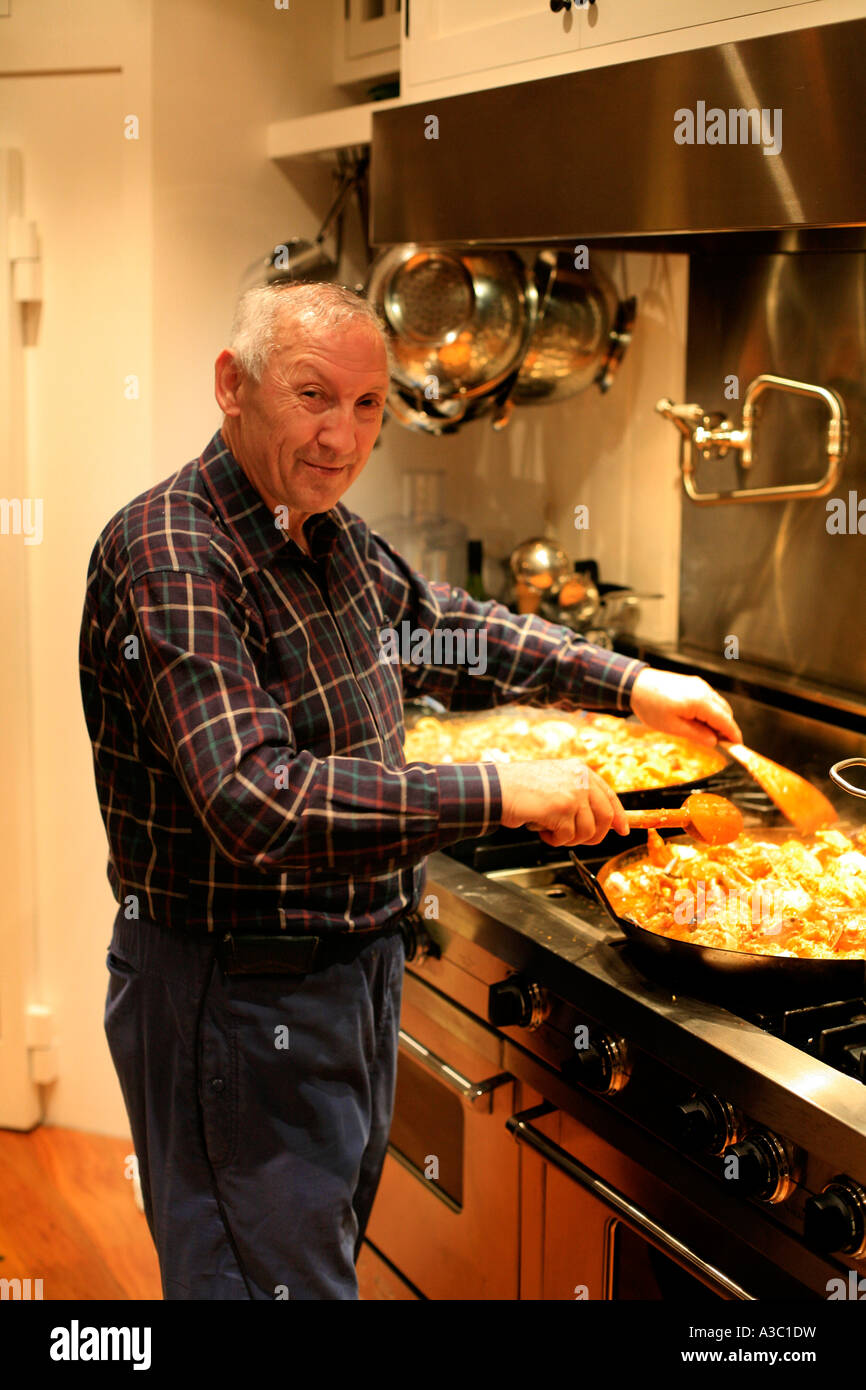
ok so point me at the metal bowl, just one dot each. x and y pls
(540, 563)
(460, 322)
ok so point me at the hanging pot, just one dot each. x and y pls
(581, 336)
(299, 259)
(438, 417)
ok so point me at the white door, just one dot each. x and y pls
(19, 1100)
(75, 431)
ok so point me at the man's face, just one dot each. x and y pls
(304, 432)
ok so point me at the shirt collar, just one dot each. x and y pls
(248, 517)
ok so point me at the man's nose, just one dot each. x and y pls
(337, 430)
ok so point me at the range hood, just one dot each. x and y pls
(653, 150)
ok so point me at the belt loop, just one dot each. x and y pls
(281, 913)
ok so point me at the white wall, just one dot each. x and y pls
(223, 69)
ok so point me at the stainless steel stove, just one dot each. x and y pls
(667, 1146)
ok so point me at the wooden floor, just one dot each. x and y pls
(68, 1217)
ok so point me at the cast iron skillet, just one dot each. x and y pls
(777, 979)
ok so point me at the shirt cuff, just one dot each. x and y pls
(607, 681)
(632, 670)
(470, 800)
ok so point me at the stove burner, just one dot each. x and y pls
(834, 1032)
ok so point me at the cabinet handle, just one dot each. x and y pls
(469, 1091)
(557, 5)
(524, 1132)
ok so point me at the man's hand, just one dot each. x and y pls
(683, 705)
(562, 799)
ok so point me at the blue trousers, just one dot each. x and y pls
(260, 1108)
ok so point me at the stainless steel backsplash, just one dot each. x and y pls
(770, 573)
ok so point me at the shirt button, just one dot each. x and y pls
(217, 1084)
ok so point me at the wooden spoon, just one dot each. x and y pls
(804, 805)
(712, 819)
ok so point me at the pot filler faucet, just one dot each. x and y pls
(714, 435)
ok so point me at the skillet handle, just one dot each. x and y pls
(594, 888)
(836, 774)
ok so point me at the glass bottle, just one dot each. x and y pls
(474, 568)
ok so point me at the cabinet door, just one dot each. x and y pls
(450, 37)
(447, 1211)
(610, 21)
(366, 39)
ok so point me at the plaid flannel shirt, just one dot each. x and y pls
(247, 736)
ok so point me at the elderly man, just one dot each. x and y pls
(266, 835)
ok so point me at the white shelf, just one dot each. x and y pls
(310, 137)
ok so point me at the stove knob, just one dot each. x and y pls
(761, 1166)
(517, 1003)
(835, 1220)
(704, 1124)
(603, 1065)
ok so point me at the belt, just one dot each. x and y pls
(273, 954)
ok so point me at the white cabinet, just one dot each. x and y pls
(611, 21)
(367, 39)
(449, 37)
(502, 41)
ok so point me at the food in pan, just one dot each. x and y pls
(798, 896)
(628, 756)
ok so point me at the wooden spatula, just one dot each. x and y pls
(802, 804)
(712, 819)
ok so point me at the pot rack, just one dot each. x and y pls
(713, 435)
(309, 260)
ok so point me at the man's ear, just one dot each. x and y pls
(227, 380)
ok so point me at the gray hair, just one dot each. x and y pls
(267, 312)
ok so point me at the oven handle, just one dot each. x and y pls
(472, 1092)
(524, 1131)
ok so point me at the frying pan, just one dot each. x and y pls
(778, 979)
(729, 777)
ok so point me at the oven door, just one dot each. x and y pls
(594, 1235)
(446, 1214)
